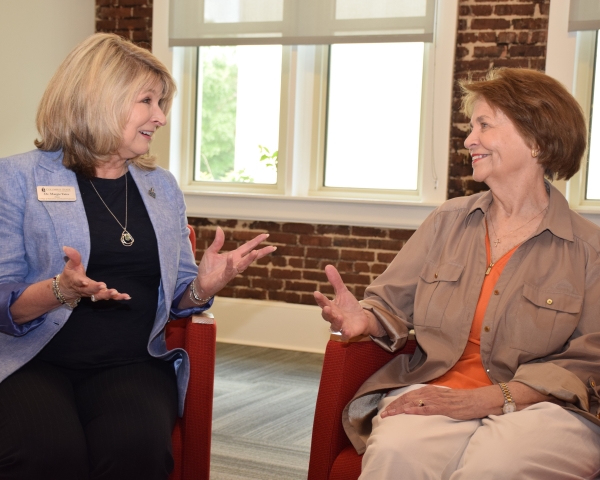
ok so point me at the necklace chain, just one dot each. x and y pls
(126, 238)
(497, 241)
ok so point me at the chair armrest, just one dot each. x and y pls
(346, 366)
(200, 343)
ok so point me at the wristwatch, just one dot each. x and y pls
(509, 404)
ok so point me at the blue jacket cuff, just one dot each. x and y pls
(9, 292)
(188, 312)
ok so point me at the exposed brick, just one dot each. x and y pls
(487, 52)
(482, 10)
(507, 37)
(255, 271)
(401, 234)
(333, 229)
(385, 257)
(514, 9)
(486, 37)
(298, 228)
(393, 245)
(267, 284)
(490, 24)
(307, 299)
(530, 24)
(378, 268)
(244, 235)
(266, 226)
(114, 12)
(132, 23)
(106, 25)
(300, 286)
(315, 240)
(316, 275)
(368, 232)
(350, 242)
(311, 263)
(286, 274)
(466, 37)
(288, 238)
(133, 3)
(287, 250)
(289, 297)
(329, 253)
(356, 279)
(296, 262)
(357, 255)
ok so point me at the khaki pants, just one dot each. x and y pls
(542, 442)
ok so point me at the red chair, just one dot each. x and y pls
(192, 433)
(346, 366)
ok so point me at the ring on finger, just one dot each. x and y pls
(93, 298)
(421, 403)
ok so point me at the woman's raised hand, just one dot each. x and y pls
(344, 313)
(217, 269)
(75, 283)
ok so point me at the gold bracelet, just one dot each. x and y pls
(194, 297)
(60, 297)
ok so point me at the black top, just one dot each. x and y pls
(112, 332)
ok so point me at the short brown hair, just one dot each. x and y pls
(543, 111)
(87, 103)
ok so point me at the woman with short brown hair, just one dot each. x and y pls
(501, 289)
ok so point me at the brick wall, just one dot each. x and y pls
(295, 269)
(131, 19)
(490, 33)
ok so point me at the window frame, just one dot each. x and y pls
(570, 61)
(298, 197)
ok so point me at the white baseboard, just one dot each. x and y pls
(270, 324)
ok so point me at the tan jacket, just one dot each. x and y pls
(542, 328)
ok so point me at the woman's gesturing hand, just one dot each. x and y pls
(217, 269)
(344, 313)
(75, 283)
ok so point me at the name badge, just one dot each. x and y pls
(56, 194)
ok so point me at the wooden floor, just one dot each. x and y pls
(263, 412)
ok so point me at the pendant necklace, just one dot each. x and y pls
(126, 238)
(497, 241)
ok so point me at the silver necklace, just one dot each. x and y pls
(126, 238)
(497, 241)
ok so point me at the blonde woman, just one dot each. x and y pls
(94, 259)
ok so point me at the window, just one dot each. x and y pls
(237, 114)
(572, 59)
(361, 135)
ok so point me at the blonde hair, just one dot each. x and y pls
(87, 104)
(543, 111)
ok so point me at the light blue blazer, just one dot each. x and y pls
(32, 234)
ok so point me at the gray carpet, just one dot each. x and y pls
(263, 412)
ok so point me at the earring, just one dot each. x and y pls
(534, 152)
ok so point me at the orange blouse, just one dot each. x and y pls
(468, 372)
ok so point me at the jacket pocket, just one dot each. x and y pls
(545, 320)
(434, 290)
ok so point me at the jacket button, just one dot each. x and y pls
(435, 275)
(549, 301)
(486, 328)
(592, 383)
(496, 292)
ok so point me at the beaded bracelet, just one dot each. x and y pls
(59, 296)
(194, 297)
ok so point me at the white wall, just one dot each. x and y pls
(35, 36)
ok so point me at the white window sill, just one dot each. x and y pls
(329, 211)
